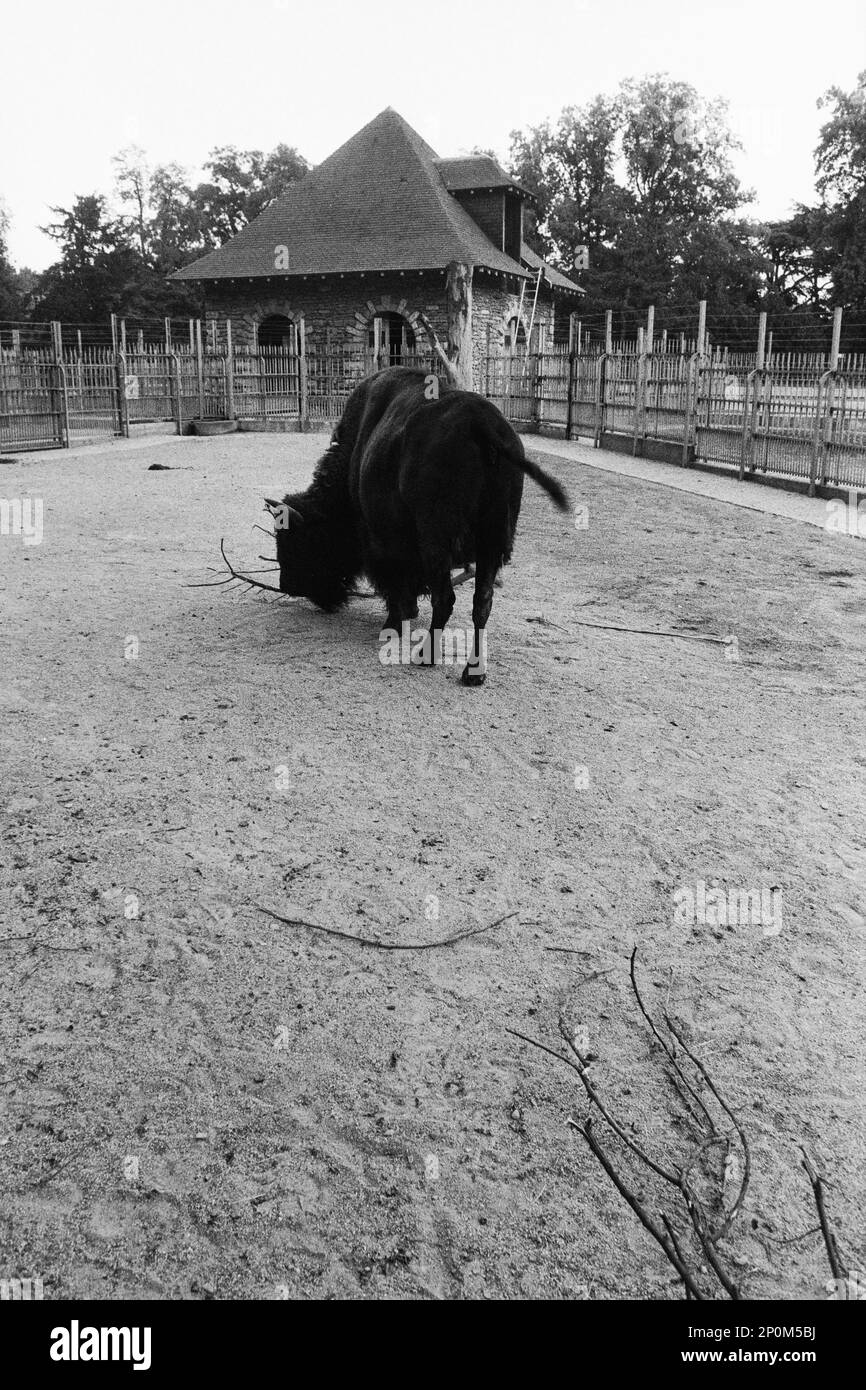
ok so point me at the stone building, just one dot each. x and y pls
(387, 247)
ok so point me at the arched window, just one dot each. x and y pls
(277, 331)
(515, 333)
(390, 338)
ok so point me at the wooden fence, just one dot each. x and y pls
(788, 417)
(790, 420)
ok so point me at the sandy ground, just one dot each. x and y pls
(198, 1101)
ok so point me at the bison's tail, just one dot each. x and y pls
(553, 489)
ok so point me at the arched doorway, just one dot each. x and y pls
(390, 338)
(277, 331)
(278, 365)
(515, 333)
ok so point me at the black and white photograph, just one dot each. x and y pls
(433, 842)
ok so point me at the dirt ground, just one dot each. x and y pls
(199, 1101)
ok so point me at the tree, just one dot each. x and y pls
(645, 179)
(242, 184)
(10, 292)
(840, 222)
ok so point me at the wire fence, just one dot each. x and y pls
(789, 415)
(788, 420)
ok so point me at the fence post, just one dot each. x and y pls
(817, 435)
(178, 392)
(750, 418)
(199, 364)
(64, 403)
(303, 398)
(122, 403)
(608, 332)
(701, 344)
(600, 386)
(115, 346)
(826, 426)
(639, 391)
(230, 373)
(690, 424)
(569, 399)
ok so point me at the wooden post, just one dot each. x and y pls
(168, 337)
(639, 389)
(178, 390)
(123, 336)
(664, 341)
(836, 340)
(230, 373)
(569, 400)
(762, 342)
(608, 332)
(199, 360)
(64, 403)
(458, 314)
(702, 328)
(114, 342)
(57, 340)
(650, 329)
(303, 398)
(122, 403)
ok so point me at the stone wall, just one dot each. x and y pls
(338, 309)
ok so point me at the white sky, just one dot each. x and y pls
(81, 80)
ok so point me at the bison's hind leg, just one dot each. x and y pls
(486, 570)
(443, 598)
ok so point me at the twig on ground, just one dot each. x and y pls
(838, 1269)
(387, 945)
(641, 1213)
(640, 632)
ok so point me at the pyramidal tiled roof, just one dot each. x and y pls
(379, 202)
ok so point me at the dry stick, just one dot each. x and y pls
(838, 1269)
(699, 1222)
(663, 1041)
(387, 945)
(722, 1230)
(642, 632)
(580, 1068)
(675, 1243)
(640, 1212)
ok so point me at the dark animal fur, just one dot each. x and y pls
(409, 489)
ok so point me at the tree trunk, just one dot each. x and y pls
(458, 310)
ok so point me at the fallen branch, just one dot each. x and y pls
(642, 632)
(838, 1269)
(386, 945)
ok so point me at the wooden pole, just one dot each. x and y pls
(199, 361)
(650, 329)
(762, 342)
(836, 340)
(303, 399)
(608, 332)
(230, 373)
(702, 327)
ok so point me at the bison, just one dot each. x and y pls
(419, 478)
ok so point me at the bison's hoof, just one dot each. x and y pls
(472, 676)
